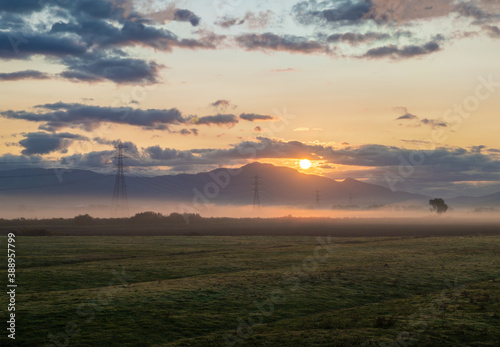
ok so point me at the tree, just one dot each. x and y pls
(147, 217)
(83, 219)
(438, 205)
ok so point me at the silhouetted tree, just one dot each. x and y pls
(175, 217)
(83, 219)
(147, 217)
(438, 205)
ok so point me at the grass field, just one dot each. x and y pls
(255, 291)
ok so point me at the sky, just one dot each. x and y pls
(405, 94)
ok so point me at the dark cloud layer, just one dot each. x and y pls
(346, 11)
(220, 119)
(493, 31)
(85, 41)
(116, 69)
(273, 42)
(395, 52)
(252, 117)
(407, 116)
(356, 38)
(26, 74)
(61, 115)
(21, 45)
(435, 162)
(21, 6)
(186, 16)
(44, 143)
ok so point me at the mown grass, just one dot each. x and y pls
(206, 291)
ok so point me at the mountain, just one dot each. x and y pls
(489, 200)
(277, 186)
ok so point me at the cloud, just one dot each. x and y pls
(342, 12)
(400, 11)
(227, 22)
(433, 123)
(130, 147)
(258, 129)
(192, 131)
(20, 45)
(157, 153)
(437, 163)
(252, 117)
(492, 30)
(21, 75)
(12, 21)
(186, 16)
(220, 119)
(74, 53)
(477, 149)
(104, 34)
(169, 13)
(21, 6)
(273, 42)
(470, 9)
(87, 35)
(416, 121)
(254, 20)
(356, 38)
(44, 143)
(63, 115)
(405, 114)
(285, 70)
(56, 116)
(395, 52)
(417, 142)
(118, 70)
(222, 104)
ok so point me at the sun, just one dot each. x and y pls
(305, 164)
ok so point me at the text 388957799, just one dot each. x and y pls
(11, 284)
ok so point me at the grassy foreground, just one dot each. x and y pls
(255, 291)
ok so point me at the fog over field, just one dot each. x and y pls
(101, 208)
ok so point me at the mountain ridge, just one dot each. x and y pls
(278, 186)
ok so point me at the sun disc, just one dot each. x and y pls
(305, 164)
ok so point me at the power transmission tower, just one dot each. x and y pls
(317, 199)
(255, 189)
(120, 199)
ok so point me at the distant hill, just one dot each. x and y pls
(478, 201)
(279, 186)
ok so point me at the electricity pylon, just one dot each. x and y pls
(255, 189)
(317, 199)
(120, 199)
